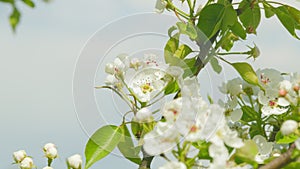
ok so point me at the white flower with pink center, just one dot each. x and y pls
(269, 77)
(147, 83)
(272, 102)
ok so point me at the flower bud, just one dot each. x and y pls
(288, 127)
(27, 163)
(109, 68)
(74, 161)
(50, 151)
(143, 115)
(47, 167)
(135, 63)
(19, 156)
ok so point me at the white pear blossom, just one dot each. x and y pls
(161, 139)
(143, 115)
(27, 163)
(147, 83)
(19, 155)
(295, 79)
(264, 147)
(47, 167)
(269, 77)
(50, 151)
(233, 87)
(220, 154)
(236, 115)
(172, 109)
(151, 60)
(118, 67)
(160, 6)
(190, 87)
(289, 127)
(225, 135)
(272, 104)
(111, 80)
(135, 63)
(75, 161)
(174, 165)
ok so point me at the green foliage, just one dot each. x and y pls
(238, 30)
(101, 143)
(170, 48)
(126, 146)
(293, 165)
(247, 153)
(246, 71)
(249, 114)
(250, 15)
(172, 87)
(215, 65)
(281, 139)
(210, 20)
(14, 18)
(289, 17)
(183, 51)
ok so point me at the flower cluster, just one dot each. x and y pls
(141, 78)
(26, 162)
(188, 120)
(268, 112)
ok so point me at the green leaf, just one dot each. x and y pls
(249, 114)
(246, 71)
(14, 18)
(170, 49)
(250, 15)
(238, 30)
(171, 30)
(292, 165)
(189, 67)
(210, 19)
(29, 3)
(247, 153)
(227, 41)
(136, 129)
(268, 10)
(215, 65)
(188, 29)
(183, 51)
(101, 143)
(230, 17)
(286, 20)
(127, 148)
(172, 87)
(281, 139)
(295, 13)
(203, 146)
(8, 1)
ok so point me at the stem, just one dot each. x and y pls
(146, 161)
(121, 94)
(234, 53)
(49, 162)
(282, 160)
(177, 10)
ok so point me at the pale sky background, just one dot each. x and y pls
(37, 65)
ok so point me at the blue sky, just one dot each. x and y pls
(37, 65)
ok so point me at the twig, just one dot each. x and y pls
(281, 161)
(146, 161)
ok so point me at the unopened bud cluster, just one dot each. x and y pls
(25, 162)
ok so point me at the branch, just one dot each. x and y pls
(146, 161)
(281, 161)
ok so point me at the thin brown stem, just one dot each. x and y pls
(282, 160)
